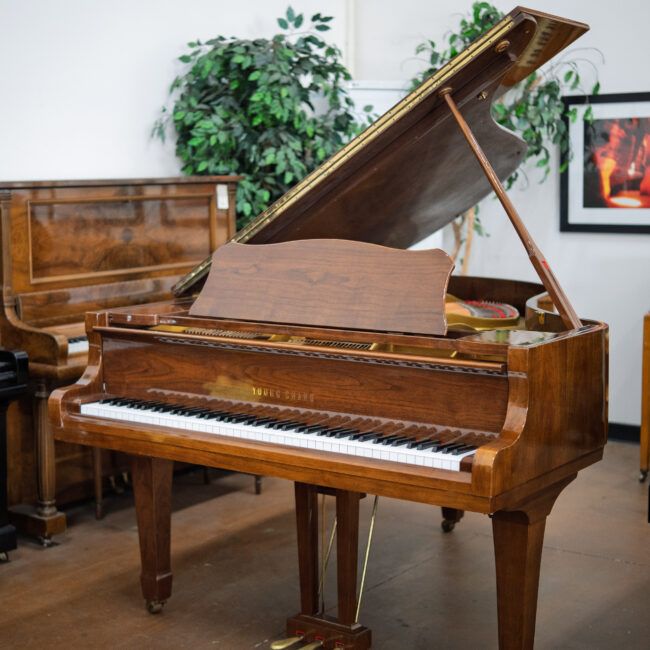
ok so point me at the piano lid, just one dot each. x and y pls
(411, 172)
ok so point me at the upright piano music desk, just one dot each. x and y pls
(319, 352)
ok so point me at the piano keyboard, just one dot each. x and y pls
(425, 446)
(77, 344)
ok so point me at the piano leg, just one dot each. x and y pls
(44, 520)
(518, 540)
(307, 524)
(152, 488)
(312, 625)
(7, 531)
(98, 481)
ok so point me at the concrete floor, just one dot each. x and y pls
(235, 573)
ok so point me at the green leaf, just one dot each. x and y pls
(186, 58)
(596, 89)
(283, 23)
(322, 28)
(202, 166)
(298, 21)
(290, 14)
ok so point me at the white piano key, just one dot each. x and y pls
(288, 437)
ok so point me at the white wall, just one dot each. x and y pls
(83, 81)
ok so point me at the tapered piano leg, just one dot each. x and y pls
(311, 625)
(152, 488)
(347, 550)
(307, 528)
(518, 540)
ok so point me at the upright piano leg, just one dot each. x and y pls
(152, 488)
(311, 625)
(44, 520)
(518, 540)
(7, 531)
(98, 482)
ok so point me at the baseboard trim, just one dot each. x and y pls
(624, 432)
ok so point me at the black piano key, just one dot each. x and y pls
(400, 441)
(309, 428)
(416, 442)
(385, 439)
(346, 433)
(288, 425)
(331, 433)
(267, 422)
(365, 437)
(239, 418)
(215, 415)
(306, 428)
(463, 449)
(445, 449)
(428, 444)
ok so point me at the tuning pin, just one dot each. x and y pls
(281, 644)
(312, 646)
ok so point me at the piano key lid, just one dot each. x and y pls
(411, 172)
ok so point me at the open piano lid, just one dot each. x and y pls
(411, 172)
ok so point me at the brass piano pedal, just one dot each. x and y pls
(281, 644)
(312, 646)
(115, 486)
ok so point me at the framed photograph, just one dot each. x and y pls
(606, 185)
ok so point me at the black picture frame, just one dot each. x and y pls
(576, 215)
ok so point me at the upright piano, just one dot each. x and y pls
(318, 350)
(13, 382)
(71, 246)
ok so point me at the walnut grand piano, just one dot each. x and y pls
(317, 354)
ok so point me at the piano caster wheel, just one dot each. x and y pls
(155, 606)
(46, 542)
(643, 475)
(447, 525)
(4, 557)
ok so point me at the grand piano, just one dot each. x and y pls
(318, 350)
(70, 246)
